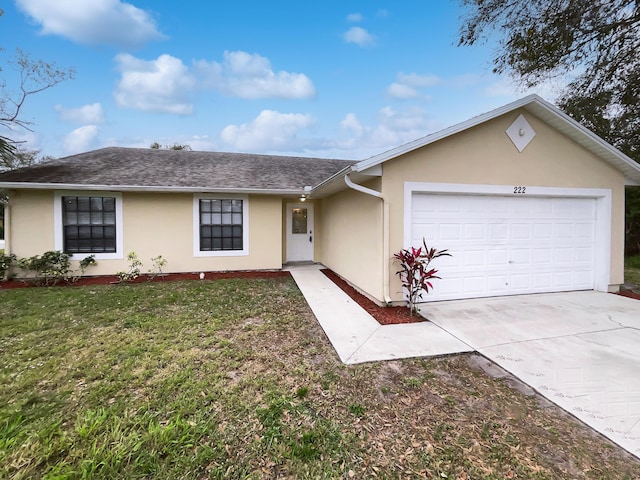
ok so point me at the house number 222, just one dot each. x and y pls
(519, 189)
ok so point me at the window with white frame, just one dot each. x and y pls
(89, 223)
(220, 226)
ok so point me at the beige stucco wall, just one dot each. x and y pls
(350, 238)
(154, 224)
(485, 155)
(30, 228)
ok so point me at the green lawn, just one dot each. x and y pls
(235, 379)
(632, 270)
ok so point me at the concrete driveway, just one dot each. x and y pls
(580, 350)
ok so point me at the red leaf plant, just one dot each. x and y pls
(415, 273)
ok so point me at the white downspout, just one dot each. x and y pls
(7, 228)
(385, 233)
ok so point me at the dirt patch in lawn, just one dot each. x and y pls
(383, 315)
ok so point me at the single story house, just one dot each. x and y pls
(526, 199)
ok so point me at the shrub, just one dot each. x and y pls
(49, 268)
(415, 273)
(6, 262)
(159, 263)
(53, 266)
(134, 268)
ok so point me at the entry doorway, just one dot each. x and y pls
(300, 232)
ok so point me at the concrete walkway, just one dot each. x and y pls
(581, 350)
(356, 336)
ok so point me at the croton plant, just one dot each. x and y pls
(415, 273)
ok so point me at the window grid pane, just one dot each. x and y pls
(221, 225)
(89, 224)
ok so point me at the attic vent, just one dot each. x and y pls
(521, 133)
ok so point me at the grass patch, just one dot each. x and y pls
(235, 379)
(632, 270)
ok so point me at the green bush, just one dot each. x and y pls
(53, 266)
(6, 262)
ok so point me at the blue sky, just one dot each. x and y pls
(336, 79)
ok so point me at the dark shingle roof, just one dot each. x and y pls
(175, 169)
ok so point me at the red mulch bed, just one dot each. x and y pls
(630, 294)
(169, 277)
(384, 315)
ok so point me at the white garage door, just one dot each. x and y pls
(506, 245)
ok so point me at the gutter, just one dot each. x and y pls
(147, 188)
(385, 233)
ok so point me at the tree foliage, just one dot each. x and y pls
(593, 45)
(32, 77)
(21, 157)
(175, 146)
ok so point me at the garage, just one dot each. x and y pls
(509, 244)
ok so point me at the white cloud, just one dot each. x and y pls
(92, 114)
(251, 76)
(354, 17)
(408, 85)
(81, 139)
(94, 22)
(507, 87)
(352, 124)
(392, 129)
(403, 92)
(359, 36)
(161, 85)
(269, 131)
(418, 81)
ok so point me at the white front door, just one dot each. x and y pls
(300, 233)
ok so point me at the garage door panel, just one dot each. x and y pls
(475, 258)
(520, 231)
(541, 256)
(450, 232)
(542, 231)
(498, 231)
(475, 231)
(504, 245)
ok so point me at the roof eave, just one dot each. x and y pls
(146, 188)
(336, 176)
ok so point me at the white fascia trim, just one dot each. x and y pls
(196, 226)
(58, 226)
(602, 196)
(139, 188)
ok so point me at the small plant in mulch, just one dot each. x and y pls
(134, 269)
(159, 263)
(415, 272)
